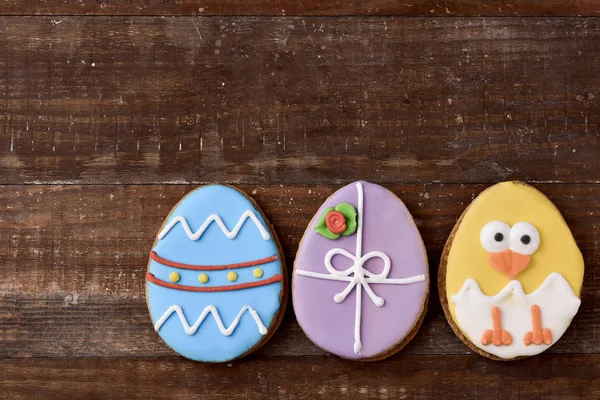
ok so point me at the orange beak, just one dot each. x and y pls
(509, 262)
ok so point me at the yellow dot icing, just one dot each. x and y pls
(174, 277)
(232, 276)
(258, 272)
(203, 278)
(512, 202)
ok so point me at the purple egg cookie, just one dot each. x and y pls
(361, 281)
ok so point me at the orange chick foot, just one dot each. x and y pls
(537, 335)
(497, 336)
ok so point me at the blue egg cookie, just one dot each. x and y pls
(216, 280)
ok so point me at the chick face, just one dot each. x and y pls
(509, 248)
(512, 231)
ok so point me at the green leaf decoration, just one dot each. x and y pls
(327, 233)
(321, 226)
(350, 214)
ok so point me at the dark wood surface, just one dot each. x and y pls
(306, 377)
(106, 120)
(441, 8)
(298, 100)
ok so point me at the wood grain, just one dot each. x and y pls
(571, 377)
(447, 8)
(311, 101)
(73, 260)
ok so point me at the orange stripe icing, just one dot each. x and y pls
(247, 285)
(174, 264)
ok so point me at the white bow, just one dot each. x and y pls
(361, 275)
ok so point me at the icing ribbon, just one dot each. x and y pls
(357, 275)
(179, 265)
(151, 278)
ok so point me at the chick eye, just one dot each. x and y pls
(495, 236)
(524, 238)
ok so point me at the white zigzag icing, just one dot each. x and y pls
(214, 217)
(191, 330)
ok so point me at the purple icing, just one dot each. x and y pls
(387, 227)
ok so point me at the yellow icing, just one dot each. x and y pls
(232, 276)
(203, 278)
(258, 272)
(512, 202)
(174, 277)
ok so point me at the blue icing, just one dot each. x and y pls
(208, 344)
(214, 248)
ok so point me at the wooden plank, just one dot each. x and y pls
(305, 7)
(73, 261)
(298, 100)
(570, 377)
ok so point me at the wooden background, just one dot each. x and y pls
(111, 110)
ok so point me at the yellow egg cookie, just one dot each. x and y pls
(511, 273)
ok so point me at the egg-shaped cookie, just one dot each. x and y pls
(216, 279)
(361, 282)
(511, 273)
